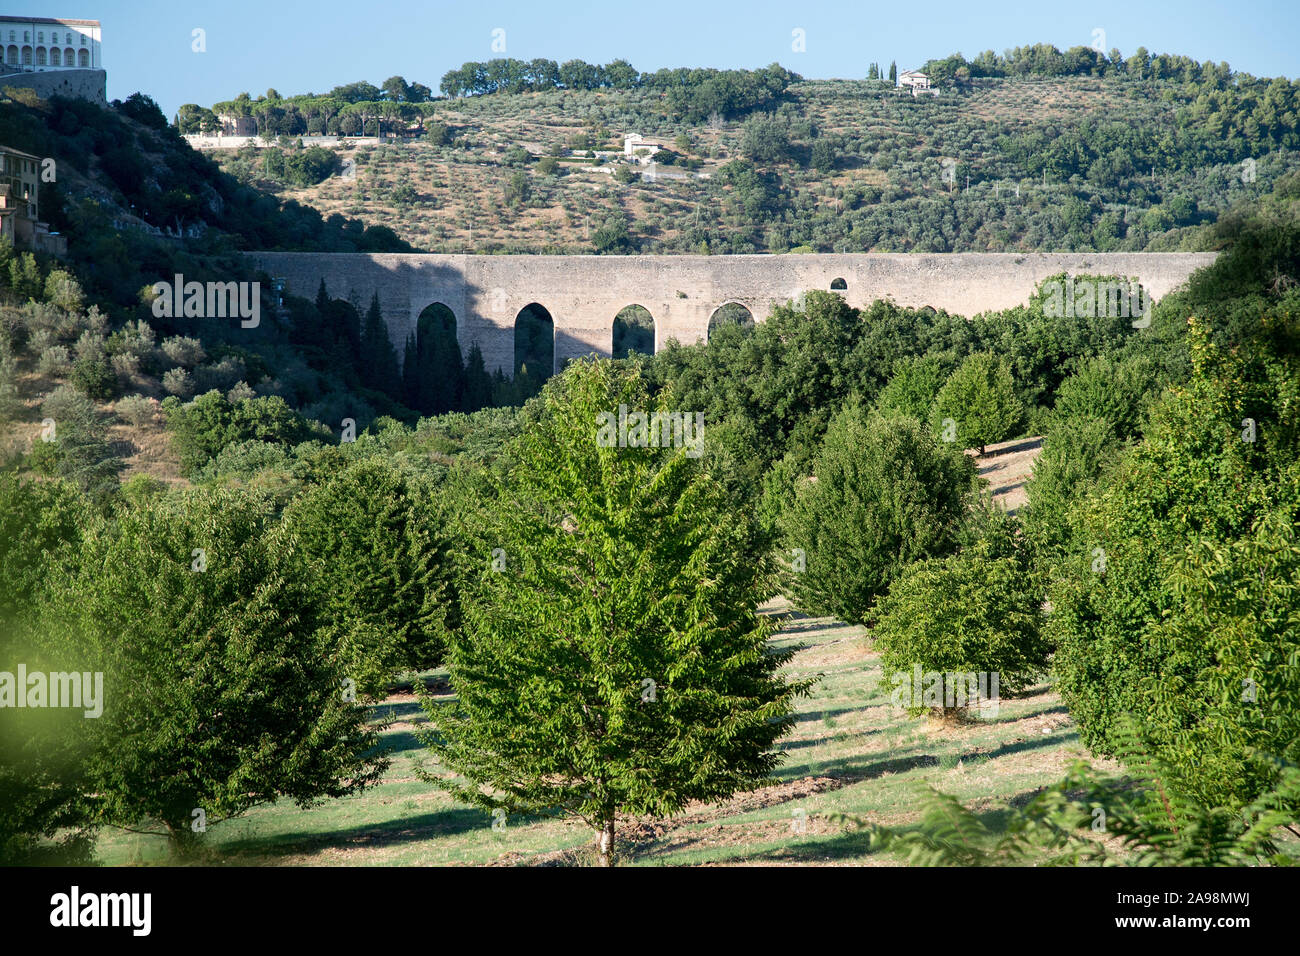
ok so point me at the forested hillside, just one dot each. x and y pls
(1035, 150)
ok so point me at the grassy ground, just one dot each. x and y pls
(850, 752)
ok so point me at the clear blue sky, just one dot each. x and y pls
(299, 47)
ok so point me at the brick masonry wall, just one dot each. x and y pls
(584, 293)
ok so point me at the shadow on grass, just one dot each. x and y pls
(1016, 718)
(396, 742)
(846, 845)
(409, 710)
(1047, 740)
(814, 715)
(408, 829)
(843, 735)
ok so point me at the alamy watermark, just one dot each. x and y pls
(945, 690)
(659, 429)
(1102, 298)
(75, 689)
(209, 300)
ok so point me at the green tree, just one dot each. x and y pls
(884, 493)
(1113, 391)
(43, 817)
(378, 357)
(221, 690)
(913, 387)
(73, 444)
(478, 384)
(517, 189)
(201, 428)
(377, 561)
(975, 612)
(620, 639)
(979, 402)
(1074, 455)
(1180, 613)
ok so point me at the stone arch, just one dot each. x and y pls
(56, 56)
(11, 56)
(535, 341)
(40, 56)
(634, 331)
(69, 56)
(27, 56)
(433, 373)
(83, 58)
(438, 316)
(839, 285)
(730, 313)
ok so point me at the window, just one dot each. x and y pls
(40, 37)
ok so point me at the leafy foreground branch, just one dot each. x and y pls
(1066, 825)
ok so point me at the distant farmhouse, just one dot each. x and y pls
(638, 149)
(53, 57)
(917, 80)
(20, 182)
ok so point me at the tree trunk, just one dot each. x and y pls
(605, 842)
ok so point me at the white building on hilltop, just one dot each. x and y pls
(915, 79)
(38, 44)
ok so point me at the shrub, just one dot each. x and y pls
(184, 350)
(94, 378)
(220, 375)
(126, 368)
(885, 493)
(90, 345)
(380, 568)
(178, 382)
(136, 410)
(201, 428)
(979, 402)
(241, 390)
(54, 361)
(67, 404)
(968, 613)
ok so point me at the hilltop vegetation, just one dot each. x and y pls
(1035, 150)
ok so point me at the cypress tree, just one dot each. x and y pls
(478, 384)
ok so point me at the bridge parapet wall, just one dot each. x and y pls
(583, 294)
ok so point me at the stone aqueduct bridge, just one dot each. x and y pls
(583, 294)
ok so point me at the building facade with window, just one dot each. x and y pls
(20, 183)
(38, 44)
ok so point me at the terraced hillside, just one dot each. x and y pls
(1027, 163)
